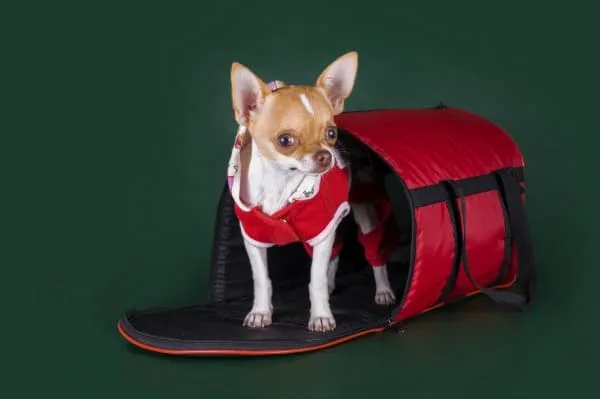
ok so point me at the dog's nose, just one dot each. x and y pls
(323, 158)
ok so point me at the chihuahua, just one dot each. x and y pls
(290, 183)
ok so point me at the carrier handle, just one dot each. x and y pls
(511, 195)
(511, 192)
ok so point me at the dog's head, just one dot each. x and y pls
(293, 126)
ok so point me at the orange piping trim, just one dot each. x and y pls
(151, 348)
(234, 352)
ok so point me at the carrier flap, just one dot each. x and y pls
(216, 329)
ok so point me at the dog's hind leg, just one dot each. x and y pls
(365, 216)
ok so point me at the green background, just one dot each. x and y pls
(117, 125)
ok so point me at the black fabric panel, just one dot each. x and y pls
(224, 238)
(474, 185)
(219, 326)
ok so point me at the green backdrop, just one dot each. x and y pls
(117, 127)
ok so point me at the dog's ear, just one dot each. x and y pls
(248, 93)
(337, 80)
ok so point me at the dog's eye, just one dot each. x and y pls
(285, 140)
(331, 133)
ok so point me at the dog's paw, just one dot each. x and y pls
(321, 323)
(257, 319)
(385, 297)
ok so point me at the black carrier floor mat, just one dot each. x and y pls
(217, 328)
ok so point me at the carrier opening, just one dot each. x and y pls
(352, 302)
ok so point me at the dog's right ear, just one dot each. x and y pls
(248, 93)
(337, 80)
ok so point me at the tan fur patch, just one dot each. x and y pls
(285, 112)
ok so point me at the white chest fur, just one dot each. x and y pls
(268, 185)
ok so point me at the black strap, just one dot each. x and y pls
(511, 195)
(438, 192)
(454, 216)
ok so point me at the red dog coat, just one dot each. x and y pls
(313, 213)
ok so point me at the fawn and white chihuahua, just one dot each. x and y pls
(292, 136)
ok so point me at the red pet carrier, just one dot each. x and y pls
(463, 180)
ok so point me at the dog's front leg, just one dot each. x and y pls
(331, 273)
(321, 318)
(262, 309)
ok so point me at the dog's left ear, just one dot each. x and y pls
(337, 80)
